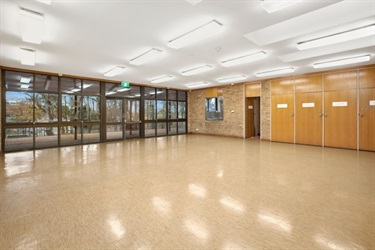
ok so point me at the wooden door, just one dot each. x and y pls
(340, 121)
(283, 118)
(250, 129)
(367, 119)
(309, 118)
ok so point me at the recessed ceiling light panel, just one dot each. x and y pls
(146, 57)
(197, 70)
(31, 26)
(232, 79)
(272, 5)
(193, 2)
(197, 85)
(27, 57)
(275, 72)
(162, 79)
(244, 59)
(45, 1)
(115, 71)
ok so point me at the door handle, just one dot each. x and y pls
(320, 114)
(325, 114)
(292, 113)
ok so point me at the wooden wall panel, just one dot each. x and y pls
(308, 84)
(340, 123)
(250, 129)
(340, 81)
(367, 119)
(252, 90)
(211, 92)
(367, 78)
(283, 118)
(282, 87)
(309, 118)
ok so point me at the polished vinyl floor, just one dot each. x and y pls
(188, 192)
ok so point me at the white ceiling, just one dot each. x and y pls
(89, 37)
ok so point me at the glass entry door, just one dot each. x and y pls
(122, 119)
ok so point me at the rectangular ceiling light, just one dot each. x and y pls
(31, 26)
(115, 71)
(45, 1)
(25, 79)
(146, 56)
(244, 59)
(197, 70)
(122, 89)
(338, 37)
(24, 86)
(162, 79)
(193, 2)
(344, 61)
(197, 85)
(195, 35)
(27, 57)
(272, 5)
(232, 79)
(275, 72)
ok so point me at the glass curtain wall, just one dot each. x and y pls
(42, 111)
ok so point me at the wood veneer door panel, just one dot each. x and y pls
(309, 118)
(367, 119)
(367, 78)
(340, 123)
(340, 81)
(283, 118)
(309, 84)
(250, 129)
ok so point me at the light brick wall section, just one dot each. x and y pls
(265, 106)
(233, 123)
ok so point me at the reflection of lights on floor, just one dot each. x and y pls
(220, 174)
(233, 246)
(116, 226)
(197, 229)
(232, 204)
(331, 244)
(275, 220)
(197, 190)
(162, 206)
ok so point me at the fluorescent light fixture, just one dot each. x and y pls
(195, 35)
(86, 85)
(275, 72)
(197, 85)
(123, 89)
(45, 1)
(31, 26)
(232, 79)
(25, 79)
(162, 79)
(275, 5)
(75, 90)
(193, 2)
(244, 59)
(111, 93)
(115, 71)
(197, 70)
(338, 37)
(343, 61)
(27, 57)
(145, 57)
(24, 86)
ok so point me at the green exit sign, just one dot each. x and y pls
(125, 84)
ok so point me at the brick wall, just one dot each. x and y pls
(233, 123)
(265, 110)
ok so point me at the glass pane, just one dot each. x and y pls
(114, 110)
(132, 130)
(90, 87)
(70, 86)
(150, 110)
(161, 110)
(46, 107)
(71, 107)
(172, 94)
(91, 133)
(149, 93)
(181, 110)
(161, 94)
(172, 128)
(149, 129)
(18, 138)
(162, 128)
(18, 81)
(46, 137)
(19, 107)
(115, 90)
(90, 108)
(172, 110)
(211, 104)
(70, 135)
(114, 132)
(133, 92)
(182, 127)
(44, 83)
(132, 110)
(181, 95)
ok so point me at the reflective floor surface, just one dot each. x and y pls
(188, 192)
